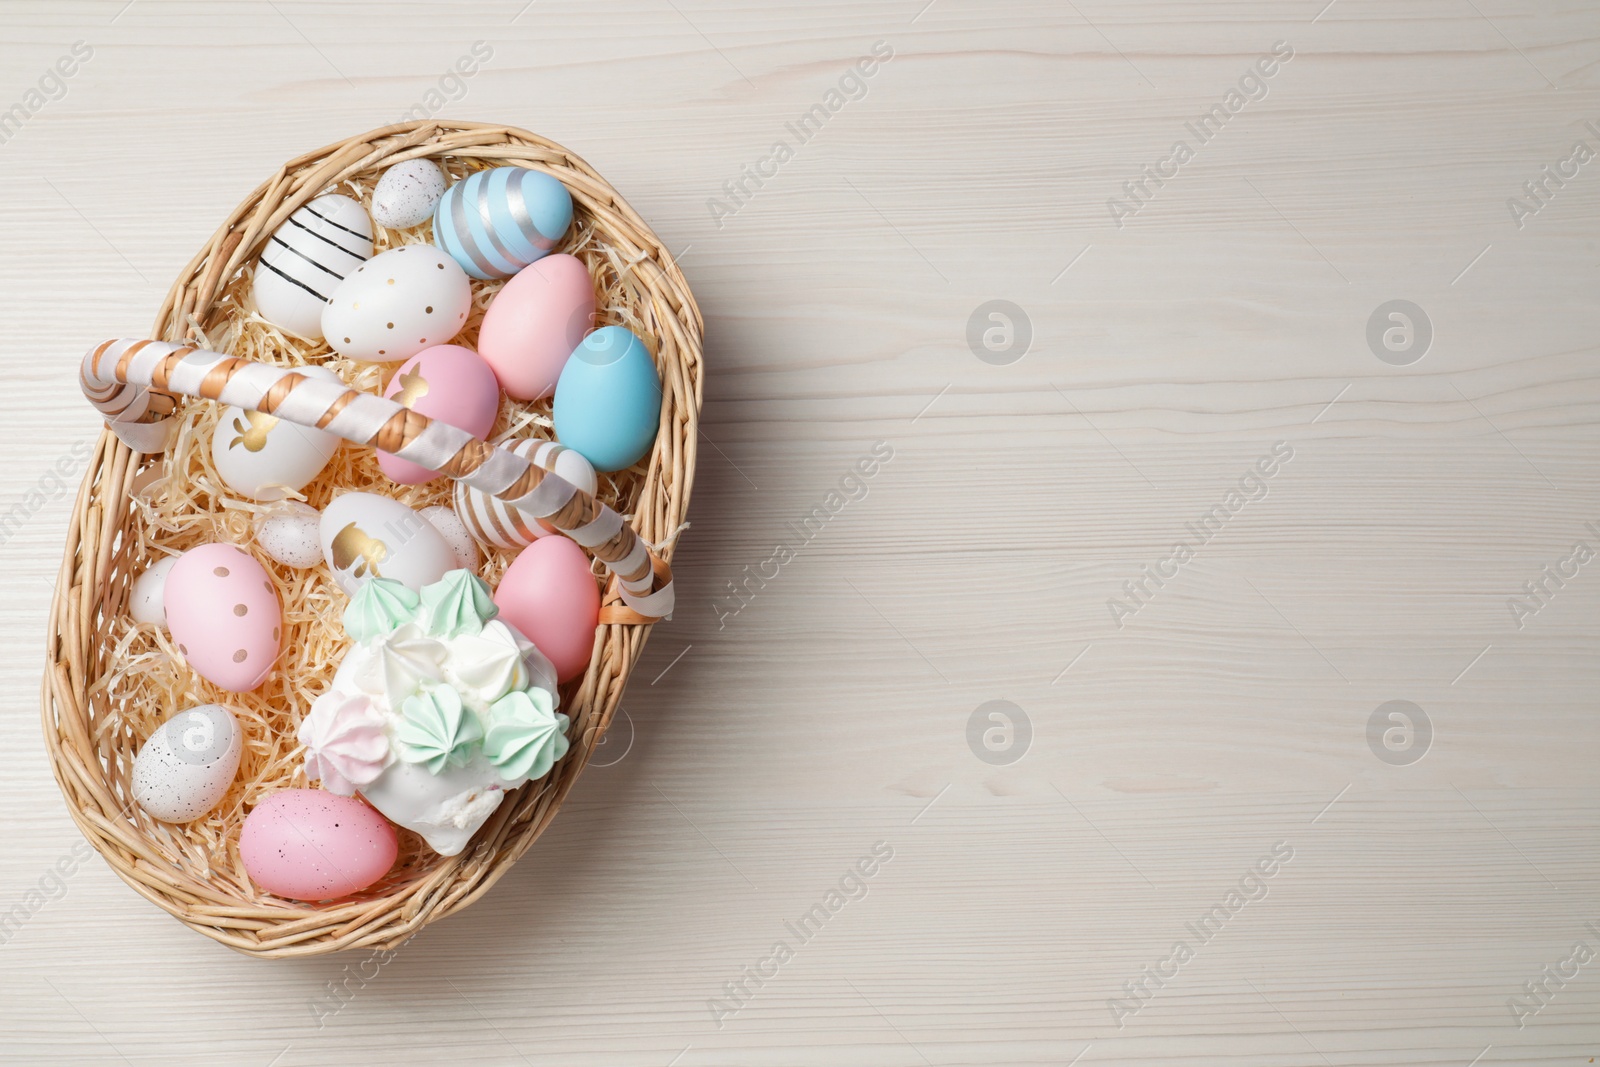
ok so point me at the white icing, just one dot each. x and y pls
(447, 808)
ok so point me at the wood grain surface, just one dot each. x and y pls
(1151, 760)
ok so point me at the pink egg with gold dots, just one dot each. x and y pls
(445, 382)
(223, 614)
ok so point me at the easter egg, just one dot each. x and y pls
(455, 534)
(407, 193)
(493, 522)
(445, 382)
(608, 399)
(495, 222)
(223, 613)
(263, 457)
(550, 595)
(369, 536)
(309, 844)
(397, 304)
(187, 765)
(147, 600)
(306, 258)
(291, 534)
(534, 323)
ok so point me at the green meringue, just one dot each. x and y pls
(379, 606)
(525, 736)
(459, 603)
(437, 731)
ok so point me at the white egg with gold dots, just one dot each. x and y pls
(396, 304)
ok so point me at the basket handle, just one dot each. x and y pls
(135, 385)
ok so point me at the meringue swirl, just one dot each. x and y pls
(525, 735)
(437, 731)
(346, 744)
(379, 607)
(459, 603)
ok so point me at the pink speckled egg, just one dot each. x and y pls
(535, 322)
(309, 844)
(445, 382)
(223, 614)
(550, 595)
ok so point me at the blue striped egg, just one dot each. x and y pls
(495, 222)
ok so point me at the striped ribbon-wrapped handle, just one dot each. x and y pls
(135, 385)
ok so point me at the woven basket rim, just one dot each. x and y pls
(91, 584)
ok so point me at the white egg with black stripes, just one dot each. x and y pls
(306, 258)
(396, 304)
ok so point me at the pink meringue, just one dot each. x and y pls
(346, 744)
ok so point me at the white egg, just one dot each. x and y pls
(369, 536)
(147, 599)
(187, 765)
(397, 304)
(455, 534)
(263, 457)
(407, 193)
(291, 533)
(496, 523)
(306, 258)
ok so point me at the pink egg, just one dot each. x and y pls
(309, 844)
(550, 595)
(223, 614)
(445, 382)
(535, 322)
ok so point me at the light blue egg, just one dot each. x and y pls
(495, 222)
(608, 399)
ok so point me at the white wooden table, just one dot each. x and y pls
(1045, 863)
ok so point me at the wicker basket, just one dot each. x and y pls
(91, 744)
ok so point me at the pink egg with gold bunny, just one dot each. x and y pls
(446, 382)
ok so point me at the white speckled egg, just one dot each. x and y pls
(369, 536)
(289, 533)
(147, 599)
(395, 305)
(263, 457)
(187, 765)
(407, 193)
(496, 523)
(306, 258)
(455, 534)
